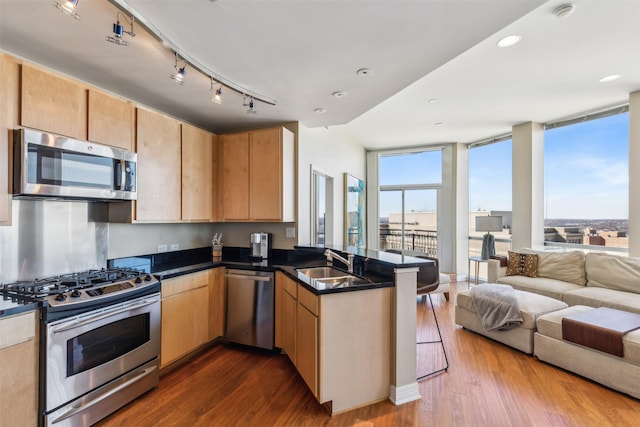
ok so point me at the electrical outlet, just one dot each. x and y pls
(162, 248)
(290, 232)
(174, 247)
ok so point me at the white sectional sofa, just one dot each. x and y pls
(583, 282)
(594, 279)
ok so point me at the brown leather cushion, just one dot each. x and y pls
(504, 261)
(522, 264)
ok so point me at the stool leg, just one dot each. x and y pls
(435, 342)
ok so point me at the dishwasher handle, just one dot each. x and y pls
(248, 277)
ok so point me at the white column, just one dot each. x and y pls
(634, 174)
(404, 387)
(528, 186)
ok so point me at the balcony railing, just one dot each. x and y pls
(423, 241)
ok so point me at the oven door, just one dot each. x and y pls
(87, 351)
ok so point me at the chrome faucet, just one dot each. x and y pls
(332, 255)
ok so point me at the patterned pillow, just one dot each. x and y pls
(522, 264)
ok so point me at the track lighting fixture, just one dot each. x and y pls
(68, 7)
(178, 76)
(216, 95)
(252, 107)
(118, 30)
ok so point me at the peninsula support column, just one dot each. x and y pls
(528, 186)
(634, 174)
(404, 387)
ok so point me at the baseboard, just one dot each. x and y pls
(404, 394)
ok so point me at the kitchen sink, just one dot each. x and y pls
(322, 272)
(342, 282)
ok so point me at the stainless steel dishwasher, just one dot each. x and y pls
(250, 306)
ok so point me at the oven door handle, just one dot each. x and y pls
(78, 409)
(101, 316)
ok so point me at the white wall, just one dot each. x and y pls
(332, 151)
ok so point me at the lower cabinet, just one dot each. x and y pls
(19, 372)
(216, 303)
(185, 315)
(307, 338)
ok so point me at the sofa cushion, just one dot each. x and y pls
(603, 297)
(564, 266)
(539, 285)
(613, 272)
(551, 325)
(531, 306)
(522, 264)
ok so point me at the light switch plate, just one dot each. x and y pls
(162, 248)
(174, 247)
(291, 232)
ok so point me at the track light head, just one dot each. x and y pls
(252, 107)
(118, 31)
(178, 76)
(217, 97)
(67, 7)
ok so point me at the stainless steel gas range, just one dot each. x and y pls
(99, 342)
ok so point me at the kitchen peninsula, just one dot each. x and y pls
(353, 346)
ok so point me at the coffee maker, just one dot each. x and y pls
(260, 245)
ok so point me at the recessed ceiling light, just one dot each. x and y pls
(610, 78)
(339, 94)
(432, 101)
(364, 72)
(563, 11)
(509, 40)
(439, 123)
(320, 110)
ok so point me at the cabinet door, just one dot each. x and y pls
(235, 176)
(158, 147)
(110, 120)
(216, 303)
(266, 175)
(289, 325)
(307, 340)
(9, 107)
(185, 323)
(18, 376)
(197, 174)
(53, 104)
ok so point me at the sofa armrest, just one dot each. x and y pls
(494, 271)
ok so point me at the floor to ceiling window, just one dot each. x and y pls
(490, 191)
(586, 167)
(408, 200)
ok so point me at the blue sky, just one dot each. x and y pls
(586, 173)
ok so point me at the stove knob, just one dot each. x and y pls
(147, 278)
(61, 297)
(76, 293)
(138, 280)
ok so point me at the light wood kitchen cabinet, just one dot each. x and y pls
(216, 303)
(110, 120)
(234, 183)
(53, 103)
(159, 168)
(197, 174)
(9, 111)
(19, 373)
(307, 338)
(185, 315)
(258, 176)
(288, 312)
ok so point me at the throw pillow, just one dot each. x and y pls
(522, 264)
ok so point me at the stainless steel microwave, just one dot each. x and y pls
(48, 165)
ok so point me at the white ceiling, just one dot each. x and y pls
(299, 52)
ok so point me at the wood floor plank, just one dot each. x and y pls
(487, 384)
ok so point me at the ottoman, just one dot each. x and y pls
(619, 373)
(521, 338)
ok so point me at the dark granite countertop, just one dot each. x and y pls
(374, 269)
(10, 306)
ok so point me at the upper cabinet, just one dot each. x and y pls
(159, 163)
(53, 104)
(197, 174)
(258, 176)
(110, 120)
(9, 108)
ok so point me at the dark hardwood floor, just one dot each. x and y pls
(487, 384)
